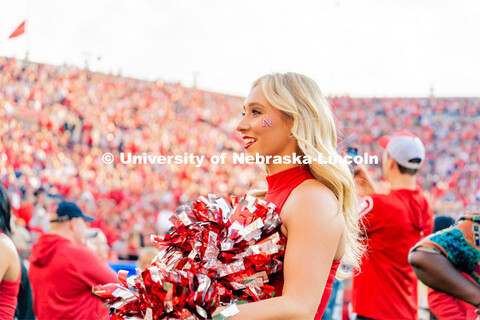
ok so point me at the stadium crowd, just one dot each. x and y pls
(56, 122)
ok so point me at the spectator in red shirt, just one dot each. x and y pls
(386, 287)
(63, 269)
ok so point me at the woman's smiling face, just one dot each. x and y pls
(265, 130)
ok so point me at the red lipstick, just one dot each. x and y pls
(248, 141)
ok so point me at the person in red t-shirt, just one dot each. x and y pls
(63, 270)
(386, 287)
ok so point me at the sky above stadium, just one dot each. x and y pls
(360, 48)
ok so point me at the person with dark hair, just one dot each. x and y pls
(448, 261)
(386, 287)
(63, 269)
(25, 298)
(40, 222)
(442, 222)
(10, 268)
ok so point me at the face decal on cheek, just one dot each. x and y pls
(267, 122)
(259, 135)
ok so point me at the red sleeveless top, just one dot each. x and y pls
(280, 185)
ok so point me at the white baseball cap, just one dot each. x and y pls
(404, 147)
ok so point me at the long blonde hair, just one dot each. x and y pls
(301, 101)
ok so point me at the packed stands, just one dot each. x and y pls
(56, 122)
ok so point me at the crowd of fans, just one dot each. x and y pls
(449, 128)
(56, 122)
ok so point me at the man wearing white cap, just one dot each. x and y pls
(386, 287)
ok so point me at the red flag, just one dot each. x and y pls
(19, 31)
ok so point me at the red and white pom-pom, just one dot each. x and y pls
(217, 251)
